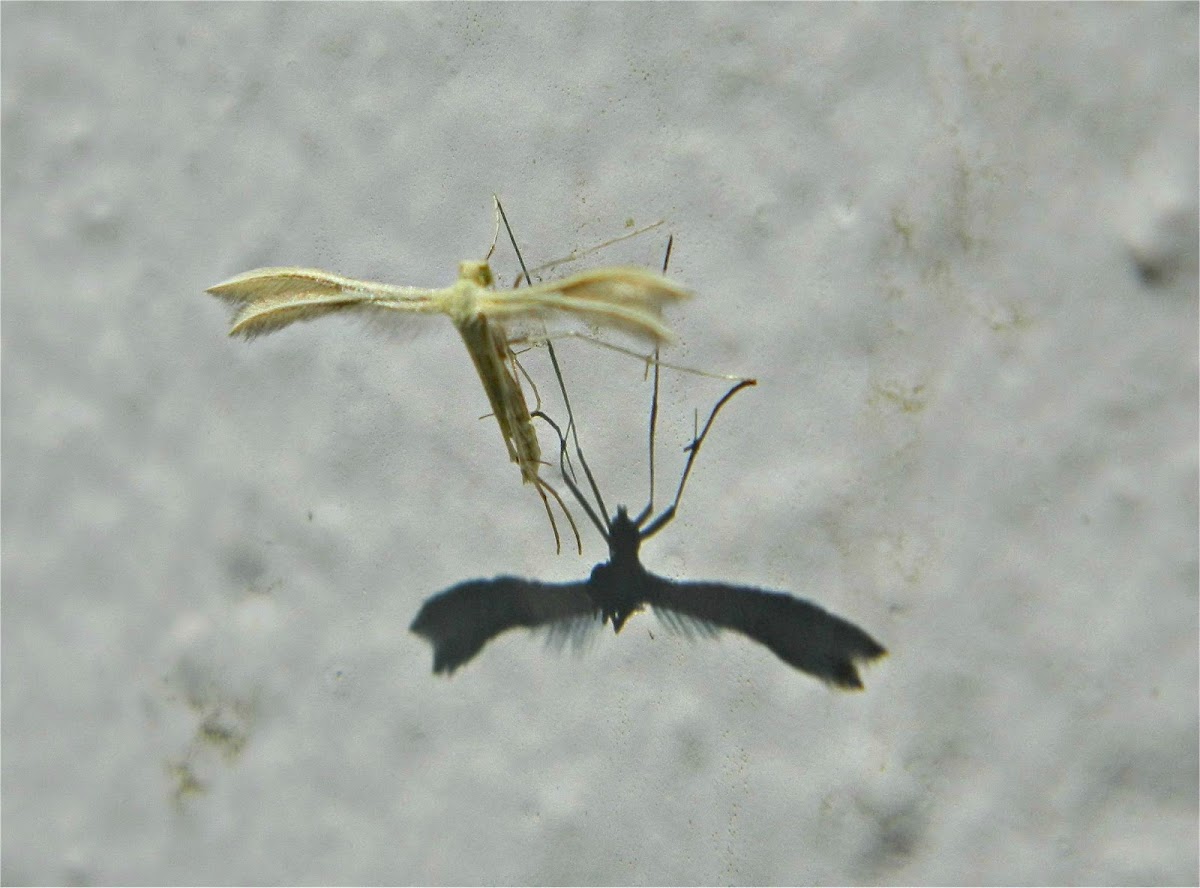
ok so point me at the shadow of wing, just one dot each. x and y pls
(798, 632)
(461, 620)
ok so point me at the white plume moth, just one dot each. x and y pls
(627, 299)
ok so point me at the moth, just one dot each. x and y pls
(627, 299)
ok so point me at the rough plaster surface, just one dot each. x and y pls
(956, 245)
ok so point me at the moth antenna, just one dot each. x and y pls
(694, 449)
(649, 510)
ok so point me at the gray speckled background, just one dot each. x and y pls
(956, 245)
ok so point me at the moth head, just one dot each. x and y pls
(476, 272)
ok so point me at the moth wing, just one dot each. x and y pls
(269, 299)
(630, 300)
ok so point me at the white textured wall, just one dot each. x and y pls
(957, 246)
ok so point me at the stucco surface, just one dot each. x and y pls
(955, 244)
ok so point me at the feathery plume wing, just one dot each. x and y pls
(269, 299)
(626, 299)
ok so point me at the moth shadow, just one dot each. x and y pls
(460, 621)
